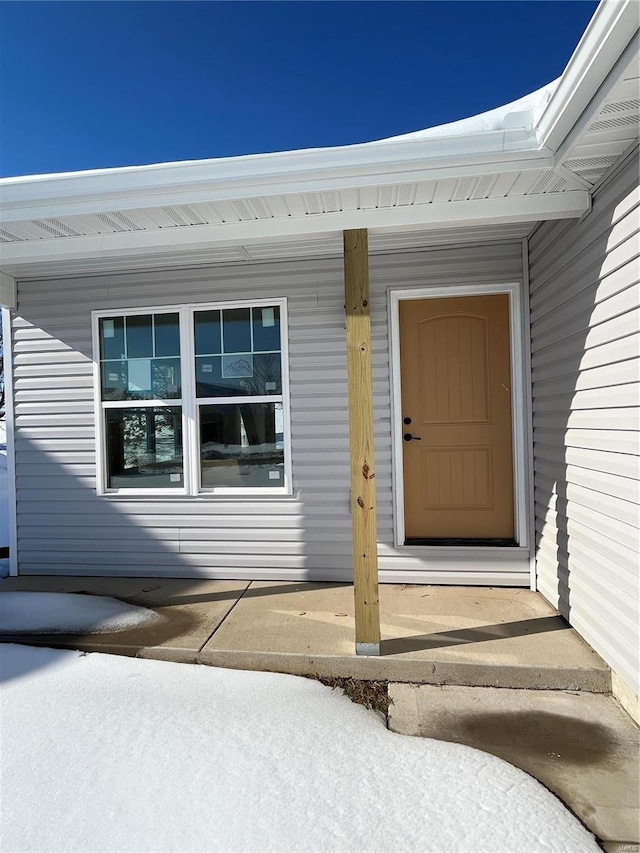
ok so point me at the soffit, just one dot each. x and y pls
(292, 206)
(611, 124)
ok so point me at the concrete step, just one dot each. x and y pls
(581, 746)
(595, 679)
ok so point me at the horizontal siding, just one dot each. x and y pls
(64, 527)
(585, 322)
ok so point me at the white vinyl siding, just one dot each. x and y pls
(586, 392)
(65, 527)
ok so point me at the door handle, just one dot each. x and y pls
(408, 437)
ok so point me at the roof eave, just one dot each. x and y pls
(612, 27)
(309, 170)
(30, 256)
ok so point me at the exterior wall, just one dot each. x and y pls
(64, 527)
(585, 347)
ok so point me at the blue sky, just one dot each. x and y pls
(97, 84)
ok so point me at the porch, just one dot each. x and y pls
(473, 636)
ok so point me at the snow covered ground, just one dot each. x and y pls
(105, 753)
(69, 613)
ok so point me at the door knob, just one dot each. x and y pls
(408, 437)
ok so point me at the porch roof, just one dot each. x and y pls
(535, 159)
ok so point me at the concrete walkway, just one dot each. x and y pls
(431, 635)
(582, 746)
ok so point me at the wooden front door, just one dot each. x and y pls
(456, 419)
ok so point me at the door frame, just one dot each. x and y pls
(520, 414)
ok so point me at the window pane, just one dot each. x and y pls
(242, 446)
(236, 323)
(238, 375)
(165, 379)
(167, 334)
(139, 337)
(266, 329)
(144, 448)
(141, 379)
(114, 380)
(207, 332)
(112, 337)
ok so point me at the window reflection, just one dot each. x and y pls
(238, 352)
(242, 445)
(140, 357)
(236, 330)
(238, 364)
(144, 448)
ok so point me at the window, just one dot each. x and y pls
(193, 400)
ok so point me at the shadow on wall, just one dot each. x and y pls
(54, 360)
(570, 382)
(67, 530)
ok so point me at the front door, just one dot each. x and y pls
(456, 420)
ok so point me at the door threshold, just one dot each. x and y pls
(456, 542)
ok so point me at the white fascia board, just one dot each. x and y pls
(200, 237)
(225, 191)
(613, 25)
(371, 164)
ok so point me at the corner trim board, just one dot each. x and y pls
(7, 338)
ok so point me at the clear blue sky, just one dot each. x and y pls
(96, 84)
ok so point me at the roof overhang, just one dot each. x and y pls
(517, 164)
(291, 172)
(603, 43)
(31, 258)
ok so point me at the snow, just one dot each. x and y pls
(105, 753)
(523, 113)
(69, 613)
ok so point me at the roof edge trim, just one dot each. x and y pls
(612, 27)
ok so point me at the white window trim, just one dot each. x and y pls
(522, 473)
(190, 404)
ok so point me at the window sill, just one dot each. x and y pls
(166, 495)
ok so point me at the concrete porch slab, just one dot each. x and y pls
(192, 610)
(582, 746)
(461, 635)
(474, 636)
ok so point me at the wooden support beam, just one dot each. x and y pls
(363, 488)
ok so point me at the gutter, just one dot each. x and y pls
(280, 173)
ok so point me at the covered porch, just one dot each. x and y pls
(473, 636)
(336, 232)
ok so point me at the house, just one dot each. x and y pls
(412, 360)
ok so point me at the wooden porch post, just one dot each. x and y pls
(363, 488)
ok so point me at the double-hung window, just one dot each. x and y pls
(193, 400)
